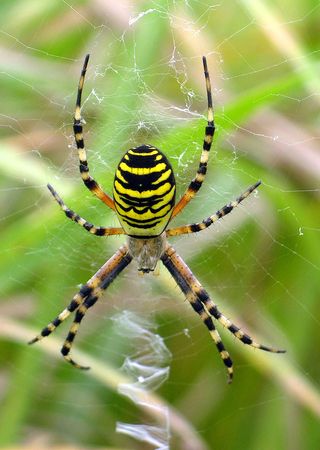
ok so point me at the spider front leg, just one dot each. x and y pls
(90, 183)
(67, 345)
(74, 304)
(176, 271)
(98, 231)
(196, 183)
(85, 299)
(196, 294)
(195, 227)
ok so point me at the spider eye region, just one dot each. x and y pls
(144, 191)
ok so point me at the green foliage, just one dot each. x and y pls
(261, 264)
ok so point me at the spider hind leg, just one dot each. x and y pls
(89, 182)
(197, 181)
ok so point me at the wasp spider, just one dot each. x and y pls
(144, 200)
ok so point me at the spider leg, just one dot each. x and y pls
(66, 348)
(195, 227)
(74, 304)
(172, 264)
(91, 184)
(191, 287)
(98, 231)
(196, 183)
(86, 297)
(207, 320)
(102, 279)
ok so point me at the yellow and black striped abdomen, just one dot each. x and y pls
(144, 191)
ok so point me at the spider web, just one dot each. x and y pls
(145, 79)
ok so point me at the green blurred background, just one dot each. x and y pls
(261, 263)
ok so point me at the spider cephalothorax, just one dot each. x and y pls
(144, 200)
(147, 252)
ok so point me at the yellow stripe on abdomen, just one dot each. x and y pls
(144, 191)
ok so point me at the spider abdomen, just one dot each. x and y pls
(144, 191)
